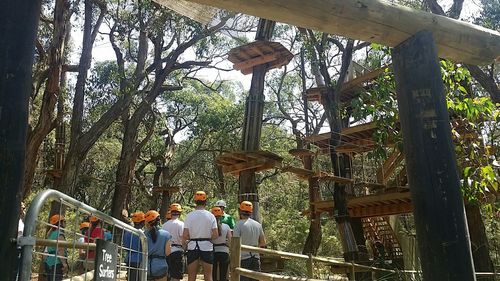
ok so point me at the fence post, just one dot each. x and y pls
(235, 258)
(310, 266)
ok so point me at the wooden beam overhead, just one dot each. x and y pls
(376, 21)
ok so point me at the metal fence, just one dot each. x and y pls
(70, 254)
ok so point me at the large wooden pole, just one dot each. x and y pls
(18, 26)
(442, 233)
(375, 21)
(252, 127)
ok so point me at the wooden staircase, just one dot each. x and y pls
(382, 239)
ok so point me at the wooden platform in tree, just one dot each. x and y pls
(238, 161)
(350, 89)
(385, 204)
(257, 53)
(170, 189)
(356, 139)
(301, 152)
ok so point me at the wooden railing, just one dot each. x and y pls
(237, 270)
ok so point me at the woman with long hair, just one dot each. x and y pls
(158, 247)
(221, 249)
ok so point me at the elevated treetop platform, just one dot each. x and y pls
(238, 161)
(376, 21)
(356, 139)
(256, 53)
(350, 89)
(385, 204)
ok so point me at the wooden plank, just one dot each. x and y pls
(243, 166)
(301, 172)
(381, 210)
(376, 21)
(358, 81)
(322, 176)
(254, 61)
(378, 198)
(300, 152)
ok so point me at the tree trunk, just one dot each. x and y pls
(77, 151)
(479, 241)
(46, 119)
(313, 240)
(125, 169)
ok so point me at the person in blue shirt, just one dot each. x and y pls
(133, 247)
(56, 263)
(158, 247)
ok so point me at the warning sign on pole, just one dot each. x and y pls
(105, 261)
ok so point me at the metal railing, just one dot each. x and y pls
(74, 248)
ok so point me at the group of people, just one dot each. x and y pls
(202, 238)
(56, 262)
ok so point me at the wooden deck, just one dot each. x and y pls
(257, 53)
(390, 203)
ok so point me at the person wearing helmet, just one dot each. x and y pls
(56, 262)
(133, 248)
(226, 218)
(158, 247)
(251, 234)
(200, 227)
(221, 249)
(95, 232)
(175, 227)
(84, 229)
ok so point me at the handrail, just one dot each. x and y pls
(318, 259)
(28, 241)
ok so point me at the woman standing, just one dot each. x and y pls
(221, 249)
(56, 262)
(158, 247)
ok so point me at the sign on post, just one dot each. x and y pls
(105, 261)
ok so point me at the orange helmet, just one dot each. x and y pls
(84, 224)
(217, 211)
(200, 196)
(151, 215)
(94, 219)
(176, 208)
(56, 218)
(168, 215)
(138, 217)
(246, 206)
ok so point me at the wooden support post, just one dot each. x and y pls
(18, 27)
(235, 258)
(310, 267)
(442, 233)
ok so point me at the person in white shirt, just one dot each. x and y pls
(200, 227)
(221, 249)
(176, 228)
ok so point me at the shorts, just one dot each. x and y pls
(252, 263)
(205, 256)
(176, 264)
